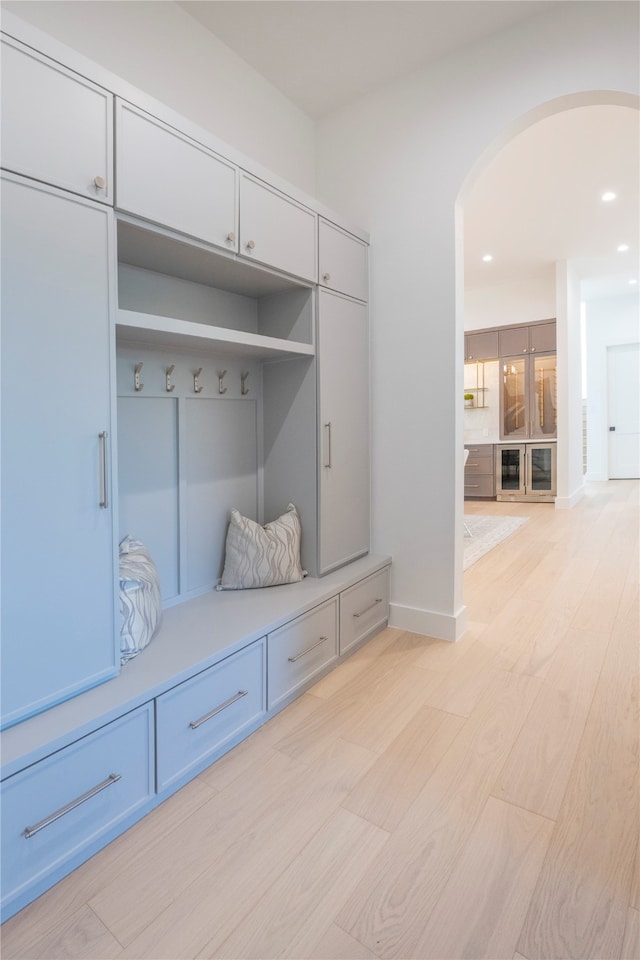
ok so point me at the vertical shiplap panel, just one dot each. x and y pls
(221, 464)
(148, 481)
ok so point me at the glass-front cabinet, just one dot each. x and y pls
(528, 397)
(526, 471)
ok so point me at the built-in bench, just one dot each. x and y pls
(79, 774)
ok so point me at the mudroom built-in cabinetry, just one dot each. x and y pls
(181, 336)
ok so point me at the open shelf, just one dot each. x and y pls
(187, 334)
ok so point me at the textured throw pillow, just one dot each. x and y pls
(257, 556)
(140, 599)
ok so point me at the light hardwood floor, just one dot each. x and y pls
(424, 800)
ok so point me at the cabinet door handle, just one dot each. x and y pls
(68, 807)
(470, 485)
(473, 464)
(99, 183)
(216, 710)
(326, 277)
(370, 607)
(327, 427)
(250, 244)
(308, 650)
(104, 478)
(231, 237)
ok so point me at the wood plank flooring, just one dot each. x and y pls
(425, 800)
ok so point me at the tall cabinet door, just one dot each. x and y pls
(343, 365)
(58, 576)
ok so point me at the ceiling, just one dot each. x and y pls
(537, 202)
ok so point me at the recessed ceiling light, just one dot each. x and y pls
(608, 196)
(632, 282)
(622, 248)
(487, 258)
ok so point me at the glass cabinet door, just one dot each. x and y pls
(544, 396)
(541, 472)
(511, 469)
(514, 397)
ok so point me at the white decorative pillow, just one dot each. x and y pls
(140, 599)
(257, 556)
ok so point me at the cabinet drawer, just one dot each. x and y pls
(342, 261)
(479, 487)
(56, 126)
(300, 650)
(59, 811)
(364, 608)
(479, 450)
(174, 181)
(198, 718)
(478, 466)
(276, 230)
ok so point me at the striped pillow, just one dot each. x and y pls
(140, 599)
(262, 556)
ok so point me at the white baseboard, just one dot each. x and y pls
(565, 503)
(442, 626)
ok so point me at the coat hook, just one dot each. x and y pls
(221, 377)
(170, 386)
(136, 380)
(197, 386)
(244, 390)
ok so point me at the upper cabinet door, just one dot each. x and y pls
(343, 261)
(542, 338)
(169, 179)
(56, 126)
(276, 230)
(513, 341)
(481, 346)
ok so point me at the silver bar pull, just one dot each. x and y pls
(327, 427)
(68, 807)
(308, 650)
(216, 710)
(104, 478)
(370, 607)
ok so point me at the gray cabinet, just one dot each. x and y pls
(59, 130)
(58, 576)
(528, 396)
(482, 345)
(479, 479)
(535, 338)
(343, 377)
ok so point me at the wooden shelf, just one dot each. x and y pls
(132, 326)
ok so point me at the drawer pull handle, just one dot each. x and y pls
(370, 607)
(31, 831)
(471, 485)
(308, 650)
(216, 710)
(473, 464)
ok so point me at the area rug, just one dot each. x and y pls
(487, 533)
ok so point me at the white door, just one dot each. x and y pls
(623, 376)
(344, 430)
(58, 557)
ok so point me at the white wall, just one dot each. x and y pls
(569, 351)
(161, 49)
(398, 161)
(608, 323)
(523, 301)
